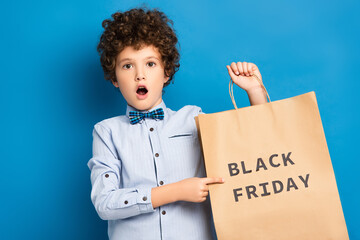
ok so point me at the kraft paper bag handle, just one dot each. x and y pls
(231, 83)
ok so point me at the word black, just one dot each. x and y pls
(260, 164)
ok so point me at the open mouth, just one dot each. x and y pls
(141, 90)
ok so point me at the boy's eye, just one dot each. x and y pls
(127, 66)
(151, 64)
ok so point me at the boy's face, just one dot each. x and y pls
(140, 76)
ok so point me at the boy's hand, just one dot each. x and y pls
(196, 189)
(242, 74)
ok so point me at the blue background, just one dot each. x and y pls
(53, 92)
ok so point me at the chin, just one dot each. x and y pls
(145, 104)
(142, 106)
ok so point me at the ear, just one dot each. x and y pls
(115, 83)
(166, 79)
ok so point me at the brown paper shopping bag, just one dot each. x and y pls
(279, 180)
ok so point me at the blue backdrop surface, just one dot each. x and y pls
(53, 92)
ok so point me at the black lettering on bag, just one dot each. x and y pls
(233, 169)
(291, 184)
(266, 193)
(271, 160)
(237, 194)
(251, 192)
(244, 169)
(287, 159)
(260, 164)
(305, 181)
(275, 188)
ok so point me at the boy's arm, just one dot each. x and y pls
(190, 189)
(110, 201)
(257, 96)
(242, 74)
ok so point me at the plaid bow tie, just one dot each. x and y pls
(136, 116)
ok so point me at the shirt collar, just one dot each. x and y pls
(160, 105)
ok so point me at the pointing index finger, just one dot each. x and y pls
(211, 180)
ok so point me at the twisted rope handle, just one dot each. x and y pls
(231, 83)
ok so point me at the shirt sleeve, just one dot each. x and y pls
(110, 201)
(200, 111)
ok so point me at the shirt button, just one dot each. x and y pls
(144, 198)
(161, 182)
(106, 175)
(163, 212)
(156, 154)
(126, 202)
(151, 129)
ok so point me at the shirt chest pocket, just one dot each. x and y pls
(182, 154)
(182, 140)
(181, 135)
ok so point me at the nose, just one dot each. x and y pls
(140, 78)
(140, 75)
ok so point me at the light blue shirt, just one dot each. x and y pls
(128, 160)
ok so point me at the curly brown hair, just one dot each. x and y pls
(138, 27)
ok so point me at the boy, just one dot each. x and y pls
(147, 172)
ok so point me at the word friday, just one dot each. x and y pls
(277, 187)
(266, 188)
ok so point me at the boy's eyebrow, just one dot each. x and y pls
(129, 59)
(125, 59)
(152, 57)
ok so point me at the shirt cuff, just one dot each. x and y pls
(144, 200)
